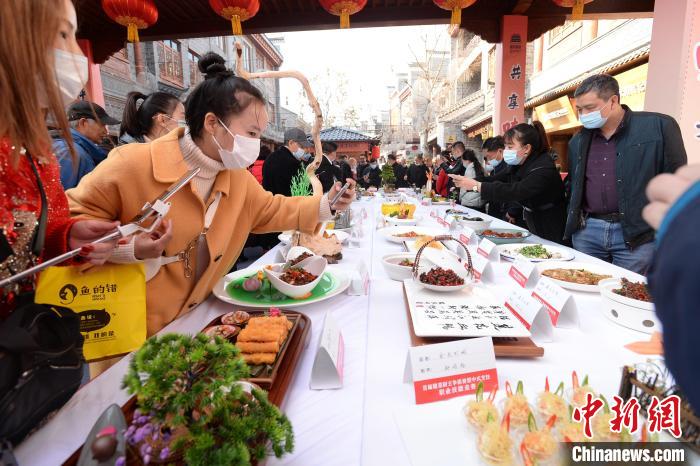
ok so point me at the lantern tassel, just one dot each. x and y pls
(344, 19)
(577, 11)
(236, 25)
(456, 17)
(132, 32)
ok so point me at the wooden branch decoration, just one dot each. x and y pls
(318, 121)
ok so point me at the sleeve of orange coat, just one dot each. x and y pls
(272, 213)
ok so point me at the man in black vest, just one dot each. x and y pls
(284, 163)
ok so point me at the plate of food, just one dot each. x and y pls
(504, 235)
(443, 279)
(472, 221)
(296, 279)
(399, 266)
(250, 288)
(576, 276)
(329, 246)
(535, 252)
(399, 234)
(413, 245)
(342, 236)
(439, 200)
(628, 303)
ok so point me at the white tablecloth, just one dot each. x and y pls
(355, 424)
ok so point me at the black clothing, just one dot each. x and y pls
(399, 173)
(647, 144)
(375, 176)
(537, 186)
(328, 174)
(278, 170)
(417, 175)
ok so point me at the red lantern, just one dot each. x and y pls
(134, 14)
(343, 8)
(575, 5)
(455, 6)
(235, 11)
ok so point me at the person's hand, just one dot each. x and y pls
(510, 219)
(346, 199)
(84, 232)
(464, 182)
(665, 189)
(366, 178)
(151, 245)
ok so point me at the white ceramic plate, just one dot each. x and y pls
(391, 232)
(219, 290)
(512, 252)
(402, 221)
(593, 268)
(630, 313)
(342, 236)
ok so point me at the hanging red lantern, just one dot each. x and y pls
(455, 6)
(235, 11)
(133, 14)
(343, 8)
(575, 5)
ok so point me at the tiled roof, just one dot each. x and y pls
(337, 134)
(638, 55)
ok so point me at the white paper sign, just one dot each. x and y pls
(446, 370)
(487, 249)
(523, 272)
(327, 371)
(482, 268)
(531, 313)
(468, 236)
(559, 303)
(474, 312)
(359, 280)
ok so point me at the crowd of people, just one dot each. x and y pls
(60, 190)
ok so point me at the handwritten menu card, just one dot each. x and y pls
(472, 312)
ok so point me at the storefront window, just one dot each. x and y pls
(170, 61)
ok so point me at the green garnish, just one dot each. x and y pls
(535, 252)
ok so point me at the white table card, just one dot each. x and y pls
(447, 370)
(482, 268)
(559, 303)
(487, 248)
(468, 236)
(523, 272)
(531, 313)
(327, 371)
(359, 279)
(472, 312)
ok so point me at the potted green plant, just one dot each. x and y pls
(388, 178)
(192, 406)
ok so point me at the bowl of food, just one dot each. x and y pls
(576, 276)
(399, 234)
(443, 279)
(297, 254)
(628, 303)
(399, 266)
(473, 222)
(504, 235)
(297, 281)
(535, 252)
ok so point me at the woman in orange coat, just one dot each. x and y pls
(210, 220)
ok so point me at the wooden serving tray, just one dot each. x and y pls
(520, 347)
(276, 387)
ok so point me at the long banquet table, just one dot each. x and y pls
(358, 423)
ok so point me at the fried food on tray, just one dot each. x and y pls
(421, 240)
(258, 347)
(270, 321)
(322, 245)
(256, 359)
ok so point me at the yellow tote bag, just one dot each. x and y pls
(110, 300)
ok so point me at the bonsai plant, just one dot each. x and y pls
(388, 178)
(301, 185)
(191, 405)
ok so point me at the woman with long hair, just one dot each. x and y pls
(157, 115)
(532, 182)
(209, 223)
(42, 70)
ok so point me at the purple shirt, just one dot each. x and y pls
(600, 191)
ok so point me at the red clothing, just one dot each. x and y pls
(20, 209)
(256, 170)
(441, 187)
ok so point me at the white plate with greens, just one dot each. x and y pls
(535, 252)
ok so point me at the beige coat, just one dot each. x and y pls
(133, 174)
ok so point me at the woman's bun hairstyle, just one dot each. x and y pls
(212, 65)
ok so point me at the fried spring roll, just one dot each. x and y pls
(258, 347)
(259, 358)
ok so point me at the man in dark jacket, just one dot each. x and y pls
(284, 163)
(611, 161)
(495, 167)
(88, 123)
(399, 171)
(344, 168)
(328, 172)
(372, 176)
(418, 173)
(361, 166)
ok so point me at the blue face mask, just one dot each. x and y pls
(510, 156)
(593, 120)
(299, 154)
(494, 163)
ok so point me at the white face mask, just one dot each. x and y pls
(244, 152)
(299, 154)
(71, 74)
